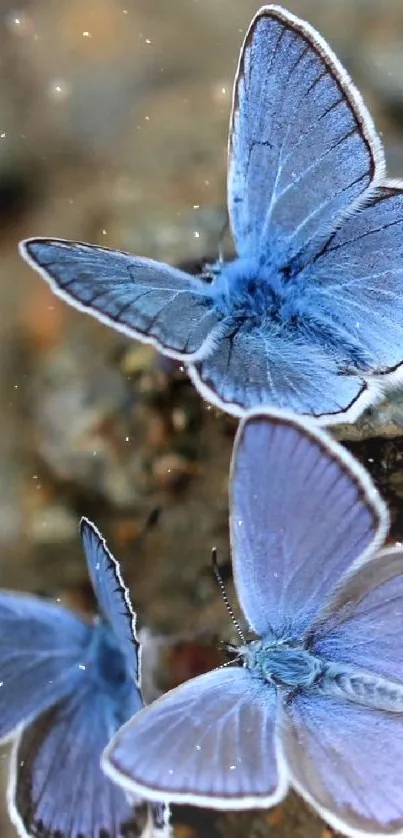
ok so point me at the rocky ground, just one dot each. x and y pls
(113, 123)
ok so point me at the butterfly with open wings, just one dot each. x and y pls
(308, 316)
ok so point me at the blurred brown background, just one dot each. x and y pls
(113, 129)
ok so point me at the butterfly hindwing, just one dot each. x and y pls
(259, 368)
(361, 623)
(342, 756)
(344, 760)
(56, 783)
(302, 144)
(358, 279)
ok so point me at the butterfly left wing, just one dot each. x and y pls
(56, 784)
(112, 595)
(345, 760)
(144, 299)
(210, 742)
(302, 144)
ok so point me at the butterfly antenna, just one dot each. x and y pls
(152, 519)
(150, 522)
(224, 594)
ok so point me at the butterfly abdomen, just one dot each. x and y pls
(361, 687)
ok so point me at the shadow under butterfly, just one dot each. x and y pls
(309, 315)
(315, 699)
(65, 688)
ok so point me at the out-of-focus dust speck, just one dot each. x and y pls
(19, 23)
(59, 90)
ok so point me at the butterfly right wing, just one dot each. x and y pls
(344, 760)
(302, 144)
(361, 624)
(344, 757)
(41, 646)
(142, 298)
(210, 742)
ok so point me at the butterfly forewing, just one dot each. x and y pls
(143, 299)
(56, 784)
(302, 512)
(210, 742)
(111, 593)
(302, 145)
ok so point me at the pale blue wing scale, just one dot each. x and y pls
(209, 742)
(357, 280)
(361, 625)
(112, 595)
(302, 512)
(56, 783)
(143, 299)
(252, 368)
(41, 646)
(302, 144)
(345, 760)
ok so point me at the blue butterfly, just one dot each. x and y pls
(317, 700)
(309, 315)
(65, 687)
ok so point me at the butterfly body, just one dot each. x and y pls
(254, 296)
(107, 665)
(360, 687)
(293, 666)
(254, 293)
(283, 664)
